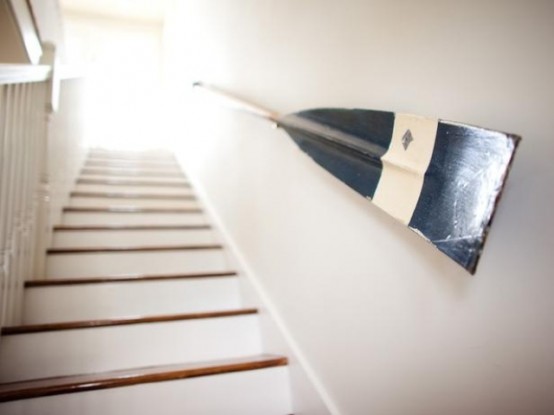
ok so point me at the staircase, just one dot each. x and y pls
(139, 311)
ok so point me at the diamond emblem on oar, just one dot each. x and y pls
(407, 138)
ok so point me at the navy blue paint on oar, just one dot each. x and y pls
(461, 189)
(457, 174)
(358, 169)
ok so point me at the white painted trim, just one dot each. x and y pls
(246, 270)
(16, 74)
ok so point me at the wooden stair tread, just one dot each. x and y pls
(127, 195)
(133, 182)
(78, 228)
(125, 278)
(82, 383)
(88, 324)
(98, 249)
(128, 209)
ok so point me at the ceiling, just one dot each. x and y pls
(145, 10)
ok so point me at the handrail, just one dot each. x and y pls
(238, 103)
(371, 152)
(17, 74)
(23, 16)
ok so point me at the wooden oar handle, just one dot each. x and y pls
(237, 103)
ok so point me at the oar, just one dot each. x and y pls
(440, 178)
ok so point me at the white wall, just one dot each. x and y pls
(12, 48)
(387, 324)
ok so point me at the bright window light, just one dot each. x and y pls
(122, 60)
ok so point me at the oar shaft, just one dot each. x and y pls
(237, 103)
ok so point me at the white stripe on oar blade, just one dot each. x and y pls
(405, 164)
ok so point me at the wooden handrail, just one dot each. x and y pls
(237, 103)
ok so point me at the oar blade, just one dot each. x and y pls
(441, 179)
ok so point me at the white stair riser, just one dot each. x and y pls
(69, 352)
(81, 218)
(131, 173)
(171, 167)
(153, 180)
(118, 159)
(132, 238)
(125, 299)
(156, 153)
(116, 162)
(263, 391)
(156, 190)
(101, 152)
(135, 263)
(106, 202)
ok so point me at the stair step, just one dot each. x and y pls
(89, 324)
(101, 300)
(151, 153)
(147, 262)
(132, 172)
(138, 307)
(125, 278)
(128, 209)
(175, 374)
(175, 178)
(137, 218)
(189, 203)
(79, 228)
(122, 163)
(129, 155)
(151, 189)
(169, 157)
(30, 352)
(129, 195)
(108, 249)
(90, 202)
(133, 182)
(164, 162)
(122, 238)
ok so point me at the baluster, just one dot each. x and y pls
(22, 230)
(8, 193)
(33, 196)
(42, 189)
(10, 211)
(15, 249)
(4, 109)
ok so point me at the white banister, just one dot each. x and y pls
(40, 152)
(23, 138)
(14, 74)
